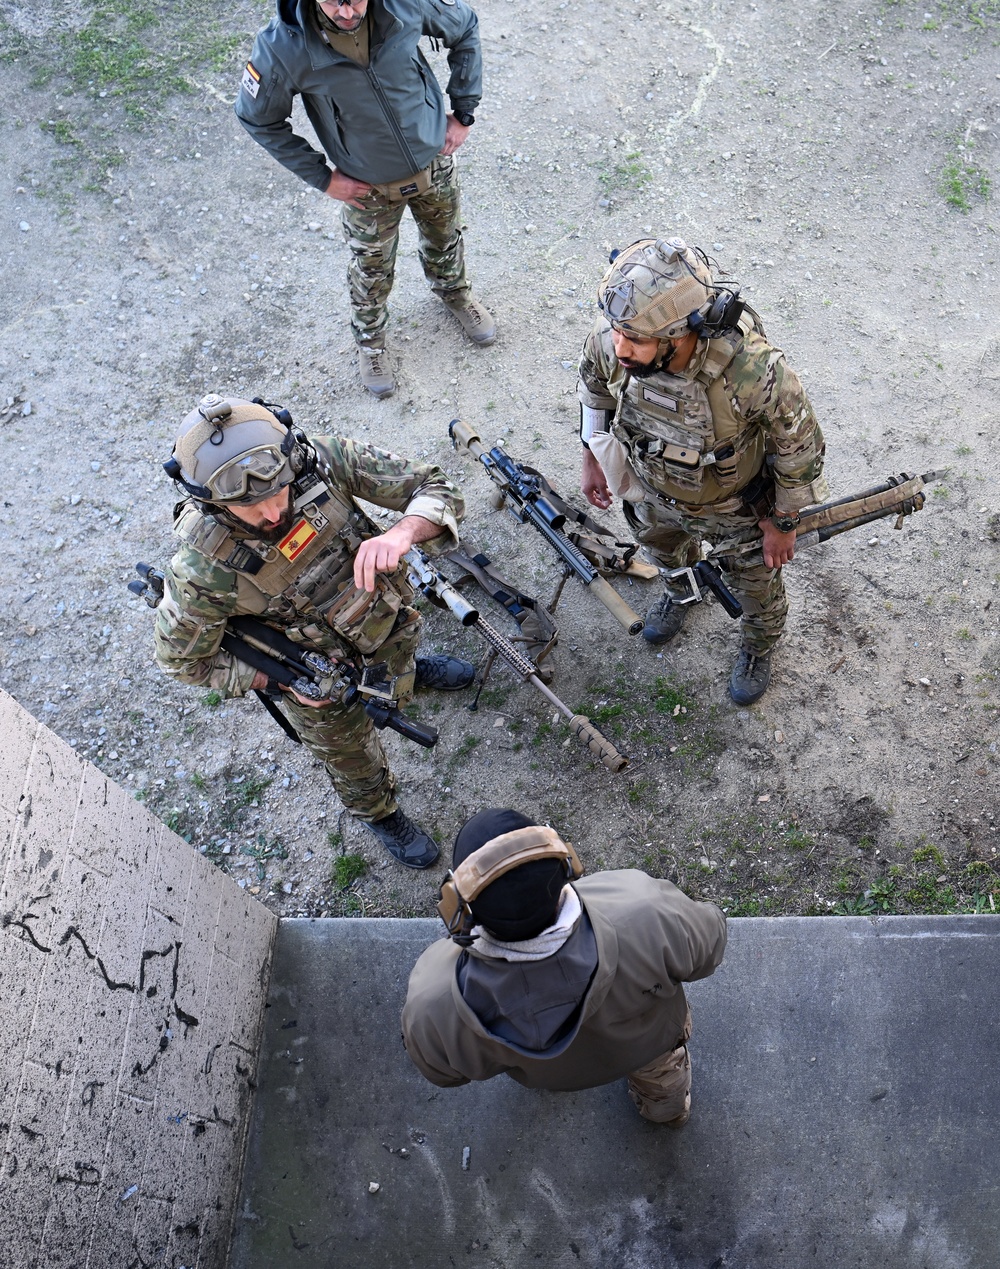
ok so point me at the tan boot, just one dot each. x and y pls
(477, 322)
(376, 374)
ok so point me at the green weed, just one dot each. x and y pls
(347, 869)
(962, 179)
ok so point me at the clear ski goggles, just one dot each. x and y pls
(251, 477)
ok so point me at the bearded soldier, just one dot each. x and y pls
(270, 527)
(698, 423)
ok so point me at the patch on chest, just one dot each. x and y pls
(251, 79)
(294, 543)
(661, 399)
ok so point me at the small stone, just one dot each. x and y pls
(74, 500)
(925, 682)
(373, 1187)
(26, 409)
(287, 887)
(873, 541)
(24, 226)
(313, 227)
(764, 797)
(779, 736)
(529, 229)
(95, 465)
(499, 722)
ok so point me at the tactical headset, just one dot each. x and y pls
(462, 886)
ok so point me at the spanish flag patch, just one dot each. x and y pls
(251, 79)
(293, 544)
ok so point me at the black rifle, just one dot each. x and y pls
(423, 576)
(310, 674)
(529, 498)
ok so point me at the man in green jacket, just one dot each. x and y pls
(559, 983)
(379, 113)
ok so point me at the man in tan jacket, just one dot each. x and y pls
(558, 982)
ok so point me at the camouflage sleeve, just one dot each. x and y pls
(416, 489)
(770, 394)
(597, 367)
(198, 598)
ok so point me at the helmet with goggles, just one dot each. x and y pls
(657, 289)
(234, 452)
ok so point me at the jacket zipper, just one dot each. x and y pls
(391, 119)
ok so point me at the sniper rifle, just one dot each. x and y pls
(531, 500)
(898, 496)
(309, 674)
(423, 576)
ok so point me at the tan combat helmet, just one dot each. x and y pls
(232, 451)
(661, 289)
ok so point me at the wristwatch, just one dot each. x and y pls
(784, 523)
(465, 120)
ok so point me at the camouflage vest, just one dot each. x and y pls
(685, 436)
(305, 582)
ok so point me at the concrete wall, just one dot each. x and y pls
(133, 977)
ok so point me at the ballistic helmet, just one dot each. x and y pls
(231, 451)
(654, 287)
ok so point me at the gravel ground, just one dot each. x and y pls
(836, 161)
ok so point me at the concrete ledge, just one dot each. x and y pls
(846, 1084)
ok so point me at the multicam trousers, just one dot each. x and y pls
(662, 1088)
(373, 236)
(673, 538)
(344, 737)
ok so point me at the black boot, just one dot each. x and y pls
(750, 677)
(404, 840)
(664, 620)
(447, 674)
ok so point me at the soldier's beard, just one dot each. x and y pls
(277, 531)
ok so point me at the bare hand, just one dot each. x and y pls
(259, 684)
(454, 134)
(594, 483)
(778, 547)
(382, 554)
(347, 190)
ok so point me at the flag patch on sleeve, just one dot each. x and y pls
(251, 79)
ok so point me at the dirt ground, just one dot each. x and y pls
(837, 162)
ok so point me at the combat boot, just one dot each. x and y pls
(404, 840)
(477, 322)
(750, 677)
(376, 374)
(664, 620)
(446, 674)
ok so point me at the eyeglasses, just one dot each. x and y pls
(251, 477)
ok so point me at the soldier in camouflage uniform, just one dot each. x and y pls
(271, 528)
(697, 422)
(378, 111)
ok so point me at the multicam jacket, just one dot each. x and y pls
(700, 436)
(302, 584)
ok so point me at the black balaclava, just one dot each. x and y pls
(524, 901)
